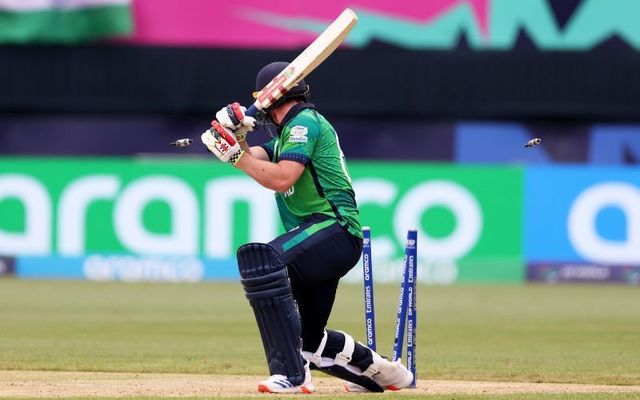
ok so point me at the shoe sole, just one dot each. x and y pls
(400, 387)
(355, 389)
(304, 389)
(364, 390)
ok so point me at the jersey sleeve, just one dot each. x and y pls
(269, 147)
(299, 140)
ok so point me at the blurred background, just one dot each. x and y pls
(433, 101)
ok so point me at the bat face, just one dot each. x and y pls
(276, 88)
(306, 62)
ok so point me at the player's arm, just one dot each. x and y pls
(297, 144)
(221, 142)
(275, 176)
(256, 151)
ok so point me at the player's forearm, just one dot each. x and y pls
(244, 145)
(256, 151)
(270, 175)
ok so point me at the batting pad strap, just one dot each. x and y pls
(317, 356)
(344, 357)
(374, 367)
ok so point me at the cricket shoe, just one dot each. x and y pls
(280, 384)
(389, 375)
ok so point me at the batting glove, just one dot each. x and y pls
(233, 118)
(222, 143)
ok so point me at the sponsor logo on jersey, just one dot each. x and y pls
(289, 192)
(299, 134)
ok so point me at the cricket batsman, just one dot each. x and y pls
(291, 282)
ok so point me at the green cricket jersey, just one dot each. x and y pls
(325, 185)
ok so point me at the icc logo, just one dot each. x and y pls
(365, 242)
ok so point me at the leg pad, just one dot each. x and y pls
(266, 285)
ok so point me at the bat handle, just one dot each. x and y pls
(252, 111)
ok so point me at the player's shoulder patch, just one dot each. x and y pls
(298, 134)
(299, 130)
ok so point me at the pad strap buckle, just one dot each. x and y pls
(344, 357)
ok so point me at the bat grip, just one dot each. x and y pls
(252, 111)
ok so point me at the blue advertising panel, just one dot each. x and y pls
(503, 142)
(577, 214)
(127, 268)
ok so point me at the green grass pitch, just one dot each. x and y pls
(566, 334)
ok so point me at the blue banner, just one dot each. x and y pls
(582, 214)
(127, 268)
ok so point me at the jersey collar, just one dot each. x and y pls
(295, 110)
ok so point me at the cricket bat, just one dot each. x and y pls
(306, 62)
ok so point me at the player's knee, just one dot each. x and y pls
(262, 271)
(257, 259)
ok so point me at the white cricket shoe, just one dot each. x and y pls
(389, 375)
(280, 384)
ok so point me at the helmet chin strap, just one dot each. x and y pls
(271, 129)
(264, 120)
